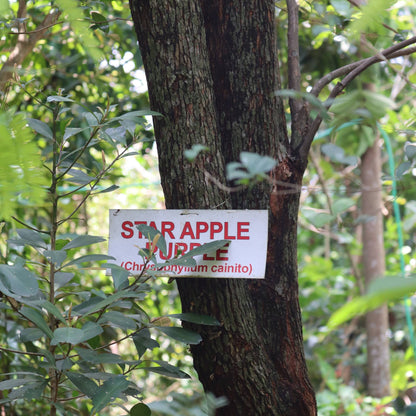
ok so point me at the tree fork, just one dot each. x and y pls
(212, 72)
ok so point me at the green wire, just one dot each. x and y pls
(407, 302)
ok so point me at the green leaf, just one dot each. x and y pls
(143, 341)
(118, 319)
(14, 382)
(206, 248)
(315, 103)
(37, 318)
(18, 280)
(89, 258)
(31, 237)
(79, 177)
(51, 308)
(140, 409)
(180, 261)
(94, 357)
(62, 278)
(109, 189)
(256, 163)
(139, 114)
(181, 334)
(21, 173)
(4, 7)
(72, 131)
(30, 391)
(167, 370)
(40, 127)
(95, 304)
(337, 154)
(56, 257)
(381, 291)
(191, 154)
(120, 276)
(318, 219)
(84, 384)
(59, 99)
(341, 205)
(402, 169)
(91, 330)
(67, 335)
(31, 334)
(410, 150)
(118, 134)
(108, 391)
(195, 318)
(342, 7)
(83, 240)
(150, 233)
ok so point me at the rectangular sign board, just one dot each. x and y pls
(243, 257)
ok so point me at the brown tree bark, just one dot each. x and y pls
(212, 72)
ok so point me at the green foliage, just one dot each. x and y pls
(184, 405)
(66, 332)
(252, 167)
(372, 15)
(388, 289)
(366, 108)
(21, 178)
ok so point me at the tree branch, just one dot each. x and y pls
(350, 71)
(299, 109)
(24, 44)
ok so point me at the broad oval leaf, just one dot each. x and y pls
(341, 205)
(143, 341)
(206, 248)
(31, 237)
(91, 330)
(18, 280)
(167, 370)
(31, 334)
(118, 320)
(84, 384)
(181, 334)
(83, 240)
(388, 289)
(67, 335)
(150, 233)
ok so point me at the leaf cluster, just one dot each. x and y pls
(68, 331)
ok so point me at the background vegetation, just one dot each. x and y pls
(86, 59)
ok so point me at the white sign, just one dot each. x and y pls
(243, 257)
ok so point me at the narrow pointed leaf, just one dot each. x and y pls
(36, 317)
(181, 334)
(108, 392)
(83, 240)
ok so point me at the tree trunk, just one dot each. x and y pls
(378, 353)
(212, 72)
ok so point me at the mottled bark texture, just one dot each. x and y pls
(212, 72)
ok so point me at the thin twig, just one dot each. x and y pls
(29, 226)
(351, 73)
